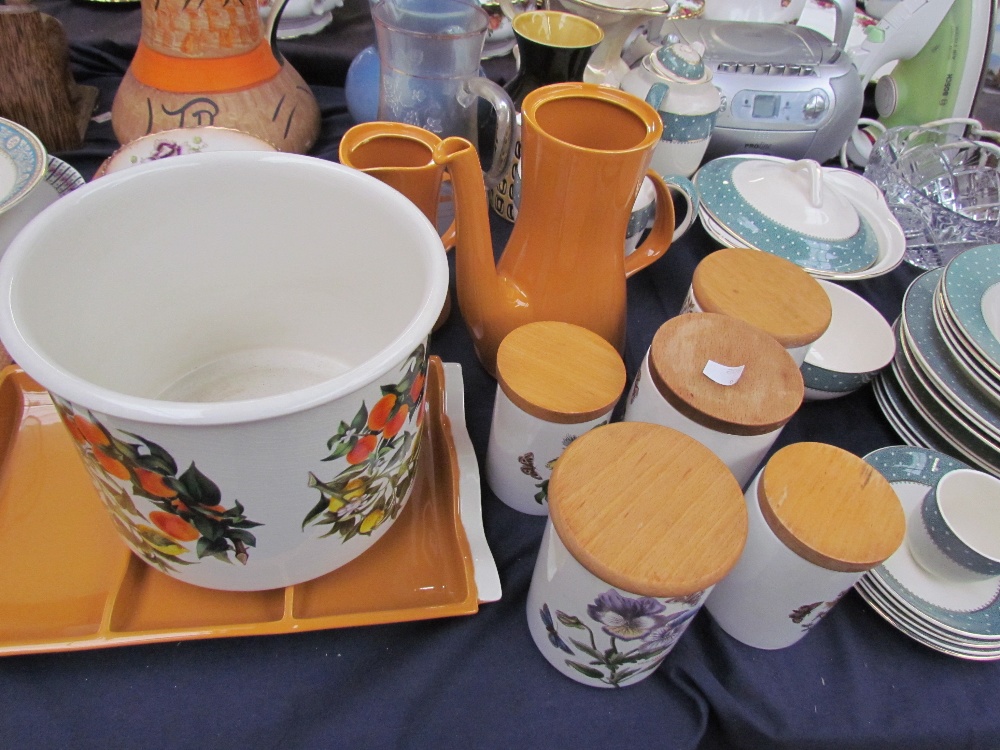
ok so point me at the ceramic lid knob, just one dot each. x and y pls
(680, 61)
(648, 509)
(764, 290)
(560, 372)
(830, 507)
(766, 394)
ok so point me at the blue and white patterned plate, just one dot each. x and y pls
(971, 289)
(971, 609)
(925, 631)
(959, 435)
(722, 200)
(22, 162)
(936, 360)
(966, 354)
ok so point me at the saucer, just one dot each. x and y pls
(22, 163)
(67, 582)
(967, 609)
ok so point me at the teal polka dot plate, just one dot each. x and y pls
(971, 288)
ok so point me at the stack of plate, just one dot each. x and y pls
(943, 388)
(731, 219)
(960, 619)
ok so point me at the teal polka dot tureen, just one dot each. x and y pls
(787, 208)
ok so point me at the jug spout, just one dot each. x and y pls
(485, 297)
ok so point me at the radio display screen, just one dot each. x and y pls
(765, 106)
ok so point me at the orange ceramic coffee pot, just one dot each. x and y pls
(585, 152)
(213, 63)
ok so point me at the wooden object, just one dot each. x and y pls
(765, 397)
(830, 507)
(37, 88)
(765, 290)
(648, 509)
(559, 372)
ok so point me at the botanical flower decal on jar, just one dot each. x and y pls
(379, 448)
(188, 515)
(527, 462)
(642, 621)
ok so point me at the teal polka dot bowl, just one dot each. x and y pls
(856, 346)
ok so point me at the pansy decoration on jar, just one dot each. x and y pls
(187, 520)
(628, 635)
(379, 448)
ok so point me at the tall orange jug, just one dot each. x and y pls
(585, 152)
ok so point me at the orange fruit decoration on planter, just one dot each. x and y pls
(212, 63)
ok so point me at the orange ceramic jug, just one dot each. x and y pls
(401, 156)
(212, 63)
(585, 151)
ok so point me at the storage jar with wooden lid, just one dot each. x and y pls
(820, 518)
(722, 381)
(556, 381)
(643, 522)
(764, 290)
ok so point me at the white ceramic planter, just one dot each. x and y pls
(245, 400)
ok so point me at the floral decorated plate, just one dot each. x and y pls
(788, 208)
(972, 608)
(971, 289)
(178, 142)
(22, 163)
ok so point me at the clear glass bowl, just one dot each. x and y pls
(943, 189)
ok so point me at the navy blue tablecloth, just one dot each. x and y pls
(478, 681)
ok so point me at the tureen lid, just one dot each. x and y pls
(796, 195)
(680, 61)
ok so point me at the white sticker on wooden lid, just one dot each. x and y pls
(722, 374)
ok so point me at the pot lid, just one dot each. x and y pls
(790, 209)
(680, 62)
(795, 195)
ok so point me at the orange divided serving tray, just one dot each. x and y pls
(67, 582)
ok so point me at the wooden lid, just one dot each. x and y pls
(767, 394)
(560, 372)
(765, 290)
(648, 509)
(830, 507)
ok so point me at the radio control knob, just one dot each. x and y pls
(815, 106)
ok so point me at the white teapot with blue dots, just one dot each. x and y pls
(674, 80)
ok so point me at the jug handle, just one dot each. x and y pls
(658, 240)
(271, 27)
(499, 99)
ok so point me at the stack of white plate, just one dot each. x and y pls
(957, 618)
(942, 390)
(730, 213)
